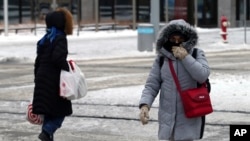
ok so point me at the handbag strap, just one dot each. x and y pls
(170, 63)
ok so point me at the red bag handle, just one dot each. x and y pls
(174, 75)
(71, 64)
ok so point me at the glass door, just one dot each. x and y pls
(207, 13)
(240, 15)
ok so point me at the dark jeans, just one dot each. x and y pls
(51, 124)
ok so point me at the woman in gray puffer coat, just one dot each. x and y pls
(175, 42)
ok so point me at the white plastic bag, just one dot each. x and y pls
(72, 84)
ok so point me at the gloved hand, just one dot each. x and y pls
(179, 52)
(144, 116)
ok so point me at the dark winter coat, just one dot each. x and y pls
(51, 59)
(172, 119)
(52, 51)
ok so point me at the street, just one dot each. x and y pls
(102, 120)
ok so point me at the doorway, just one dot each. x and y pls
(207, 13)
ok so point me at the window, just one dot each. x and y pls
(123, 10)
(143, 10)
(106, 10)
(240, 10)
(207, 13)
(177, 9)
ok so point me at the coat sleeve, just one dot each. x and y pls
(198, 68)
(152, 85)
(60, 53)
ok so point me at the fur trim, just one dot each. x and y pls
(69, 20)
(177, 26)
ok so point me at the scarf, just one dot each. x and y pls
(168, 46)
(51, 34)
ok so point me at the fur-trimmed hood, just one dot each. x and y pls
(177, 26)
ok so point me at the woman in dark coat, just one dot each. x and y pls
(52, 51)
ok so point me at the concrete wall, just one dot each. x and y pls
(88, 10)
(227, 8)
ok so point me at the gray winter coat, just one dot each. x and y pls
(171, 116)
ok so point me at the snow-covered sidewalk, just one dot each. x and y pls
(229, 92)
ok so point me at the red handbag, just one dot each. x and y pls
(196, 102)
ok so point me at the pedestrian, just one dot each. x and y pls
(52, 51)
(176, 41)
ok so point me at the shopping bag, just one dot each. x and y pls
(73, 83)
(33, 118)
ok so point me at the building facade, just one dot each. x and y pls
(125, 11)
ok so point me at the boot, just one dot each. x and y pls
(44, 136)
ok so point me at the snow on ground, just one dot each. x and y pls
(229, 92)
(23, 45)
